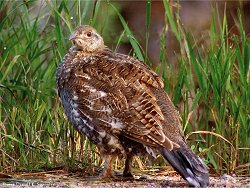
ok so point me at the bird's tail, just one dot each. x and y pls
(188, 165)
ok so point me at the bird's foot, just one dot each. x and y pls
(127, 174)
(123, 176)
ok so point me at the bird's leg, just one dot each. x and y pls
(107, 170)
(127, 169)
(108, 163)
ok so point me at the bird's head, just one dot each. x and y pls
(86, 39)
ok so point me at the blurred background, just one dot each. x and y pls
(199, 48)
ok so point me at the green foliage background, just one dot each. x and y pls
(36, 135)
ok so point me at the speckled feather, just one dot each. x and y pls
(114, 93)
(119, 103)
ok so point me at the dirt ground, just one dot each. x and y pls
(65, 180)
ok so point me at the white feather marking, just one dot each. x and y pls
(201, 161)
(87, 116)
(112, 141)
(75, 97)
(83, 76)
(90, 107)
(77, 119)
(102, 134)
(85, 86)
(116, 124)
(189, 172)
(75, 112)
(150, 151)
(91, 128)
(92, 90)
(104, 108)
(98, 94)
(192, 182)
(107, 109)
(74, 105)
(84, 120)
(103, 94)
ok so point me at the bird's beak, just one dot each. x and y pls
(72, 36)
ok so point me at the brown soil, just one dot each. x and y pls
(65, 180)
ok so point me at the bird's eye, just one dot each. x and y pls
(89, 34)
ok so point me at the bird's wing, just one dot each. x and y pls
(116, 92)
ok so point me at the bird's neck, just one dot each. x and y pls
(100, 50)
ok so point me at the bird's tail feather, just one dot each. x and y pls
(188, 165)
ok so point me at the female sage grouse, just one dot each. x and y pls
(121, 106)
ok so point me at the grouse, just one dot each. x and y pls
(120, 104)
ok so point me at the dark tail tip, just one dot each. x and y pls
(188, 165)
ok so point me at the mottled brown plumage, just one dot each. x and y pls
(119, 103)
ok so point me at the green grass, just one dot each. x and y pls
(36, 135)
